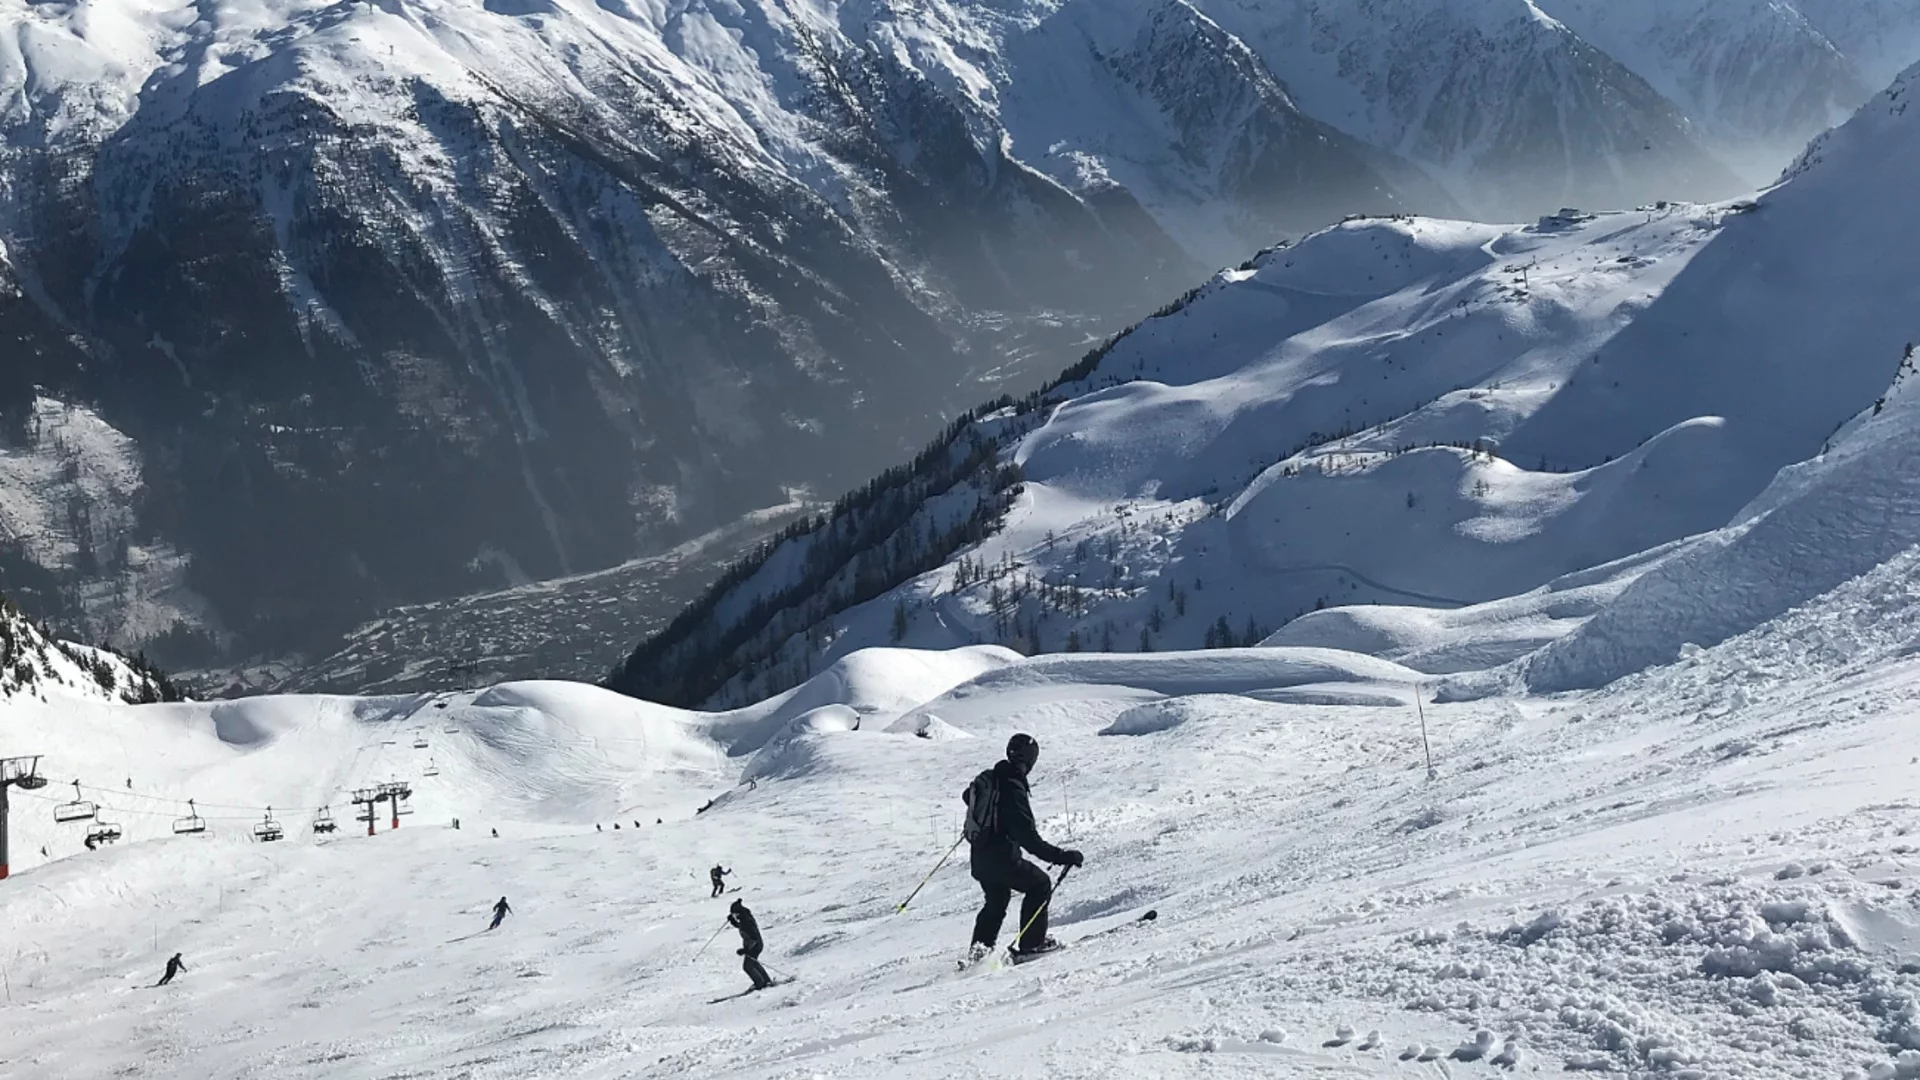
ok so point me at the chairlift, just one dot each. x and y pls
(192, 823)
(420, 742)
(23, 772)
(77, 810)
(323, 822)
(102, 832)
(449, 730)
(401, 806)
(431, 769)
(268, 830)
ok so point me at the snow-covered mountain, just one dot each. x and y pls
(1392, 410)
(36, 666)
(564, 284)
(559, 284)
(1515, 112)
(1758, 78)
(1882, 37)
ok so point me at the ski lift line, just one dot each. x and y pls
(168, 813)
(121, 794)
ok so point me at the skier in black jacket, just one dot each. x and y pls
(174, 967)
(1000, 826)
(750, 944)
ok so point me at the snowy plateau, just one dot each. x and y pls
(437, 299)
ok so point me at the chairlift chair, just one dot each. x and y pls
(431, 769)
(23, 772)
(420, 742)
(103, 832)
(77, 810)
(268, 830)
(323, 822)
(192, 823)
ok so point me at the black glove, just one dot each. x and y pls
(739, 952)
(1072, 858)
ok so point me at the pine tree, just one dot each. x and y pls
(899, 621)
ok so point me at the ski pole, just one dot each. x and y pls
(1057, 882)
(929, 877)
(703, 948)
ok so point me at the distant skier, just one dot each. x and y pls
(496, 833)
(174, 967)
(999, 827)
(741, 919)
(719, 879)
(500, 913)
(597, 828)
(92, 843)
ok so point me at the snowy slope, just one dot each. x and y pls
(1702, 871)
(1392, 411)
(36, 666)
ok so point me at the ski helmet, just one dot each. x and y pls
(1023, 750)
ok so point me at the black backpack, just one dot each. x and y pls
(983, 807)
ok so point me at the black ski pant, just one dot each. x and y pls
(718, 888)
(751, 965)
(999, 883)
(165, 979)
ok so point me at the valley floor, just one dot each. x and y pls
(1707, 870)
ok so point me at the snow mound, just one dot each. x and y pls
(1444, 641)
(927, 726)
(878, 684)
(1817, 526)
(795, 751)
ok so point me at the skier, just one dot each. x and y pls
(500, 913)
(597, 828)
(174, 967)
(999, 827)
(741, 919)
(719, 879)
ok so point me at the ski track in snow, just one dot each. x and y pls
(1704, 870)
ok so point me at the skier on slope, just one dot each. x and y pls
(174, 967)
(742, 920)
(500, 913)
(999, 827)
(719, 877)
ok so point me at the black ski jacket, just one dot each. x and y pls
(742, 919)
(1011, 829)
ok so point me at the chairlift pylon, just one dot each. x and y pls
(192, 823)
(78, 810)
(323, 822)
(268, 830)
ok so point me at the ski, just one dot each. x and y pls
(753, 990)
(1147, 916)
(1018, 958)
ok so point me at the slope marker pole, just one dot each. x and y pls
(1431, 774)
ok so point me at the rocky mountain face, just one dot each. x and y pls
(1758, 78)
(1514, 112)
